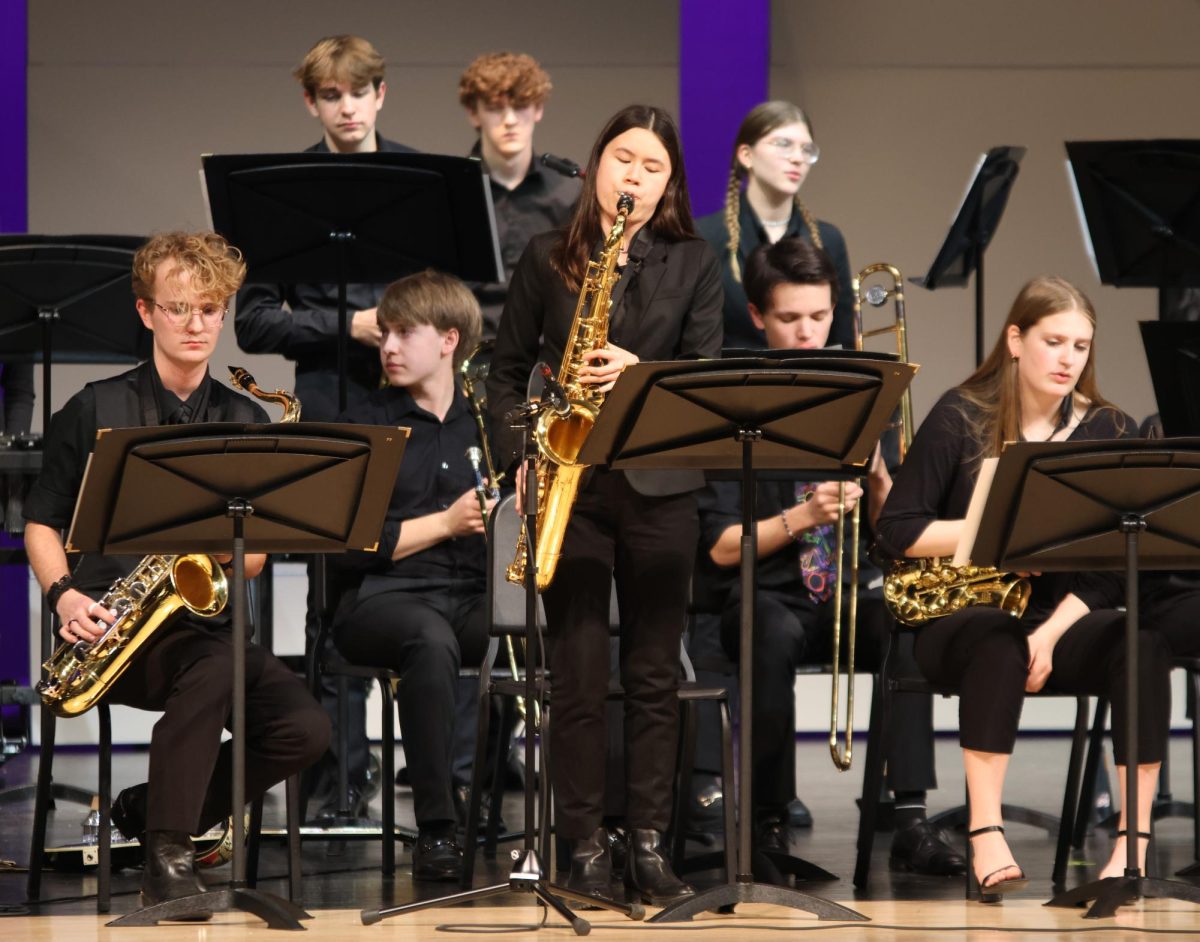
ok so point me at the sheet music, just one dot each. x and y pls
(971, 177)
(983, 484)
(204, 193)
(69, 546)
(1083, 226)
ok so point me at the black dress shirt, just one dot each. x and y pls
(740, 331)
(72, 436)
(301, 322)
(669, 309)
(542, 201)
(433, 474)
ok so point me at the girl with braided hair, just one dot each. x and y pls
(772, 155)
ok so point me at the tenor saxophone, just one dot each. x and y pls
(560, 437)
(159, 588)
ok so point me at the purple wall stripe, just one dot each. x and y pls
(14, 217)
(724, 60)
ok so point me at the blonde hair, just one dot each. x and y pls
(504, 76)
(761, 121)
(349, 59)
(435, 298)
(216, 268)
(992, 393)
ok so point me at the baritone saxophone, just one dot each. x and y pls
(560, 437)
(158, 589)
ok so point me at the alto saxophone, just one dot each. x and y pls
(918, 591)
(160, 587)
(560, 437)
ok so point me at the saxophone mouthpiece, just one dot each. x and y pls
(241, 378)
(625, 203)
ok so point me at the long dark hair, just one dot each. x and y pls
(992, 392)
(672, 219)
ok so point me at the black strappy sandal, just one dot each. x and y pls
(991, 892)
(1141, 834)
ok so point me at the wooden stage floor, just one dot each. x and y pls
(341, 879)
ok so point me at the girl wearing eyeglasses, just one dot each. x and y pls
(772, 156)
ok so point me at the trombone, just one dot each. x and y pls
(473, 373)
(876, 295)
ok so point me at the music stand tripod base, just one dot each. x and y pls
(276, 912)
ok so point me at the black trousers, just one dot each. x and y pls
(424, 631)
(187, 673)
(984, 654)
(790, 630)
(648, 546)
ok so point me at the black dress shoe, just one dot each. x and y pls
(798, 814)
(591, 865)
(171, 872)
(436, 855)
(706, 809)
(771, 834)
(128, 812)
(331, 810)
(922, 848)
(462, 808)
(649, 873)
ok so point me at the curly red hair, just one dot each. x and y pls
(512, 77)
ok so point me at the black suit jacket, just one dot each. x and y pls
(740, 331)
(668, 307)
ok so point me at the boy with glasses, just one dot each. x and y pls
(183, 283)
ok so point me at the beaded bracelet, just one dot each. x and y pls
(56, 590)
(787, 529)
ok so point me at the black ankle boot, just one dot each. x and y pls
(648, 871)
(591, 865)
(171, 871)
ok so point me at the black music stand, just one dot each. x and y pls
(528, 873)
(1140, 202)
(342, 218)
(818, 412)
(66, 299)
(299, 487)
(1116, 505)
(971, 231)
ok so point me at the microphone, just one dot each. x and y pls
(554, 391)
(563, 165)
(475, 456)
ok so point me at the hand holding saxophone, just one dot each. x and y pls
(83, 618)
(604, 365)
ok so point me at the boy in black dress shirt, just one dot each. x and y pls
(420, 608)
(183, 283)
(342, 81)
(792, 288)
(504, 95)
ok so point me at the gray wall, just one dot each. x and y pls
(904, 98)
(124, 99)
